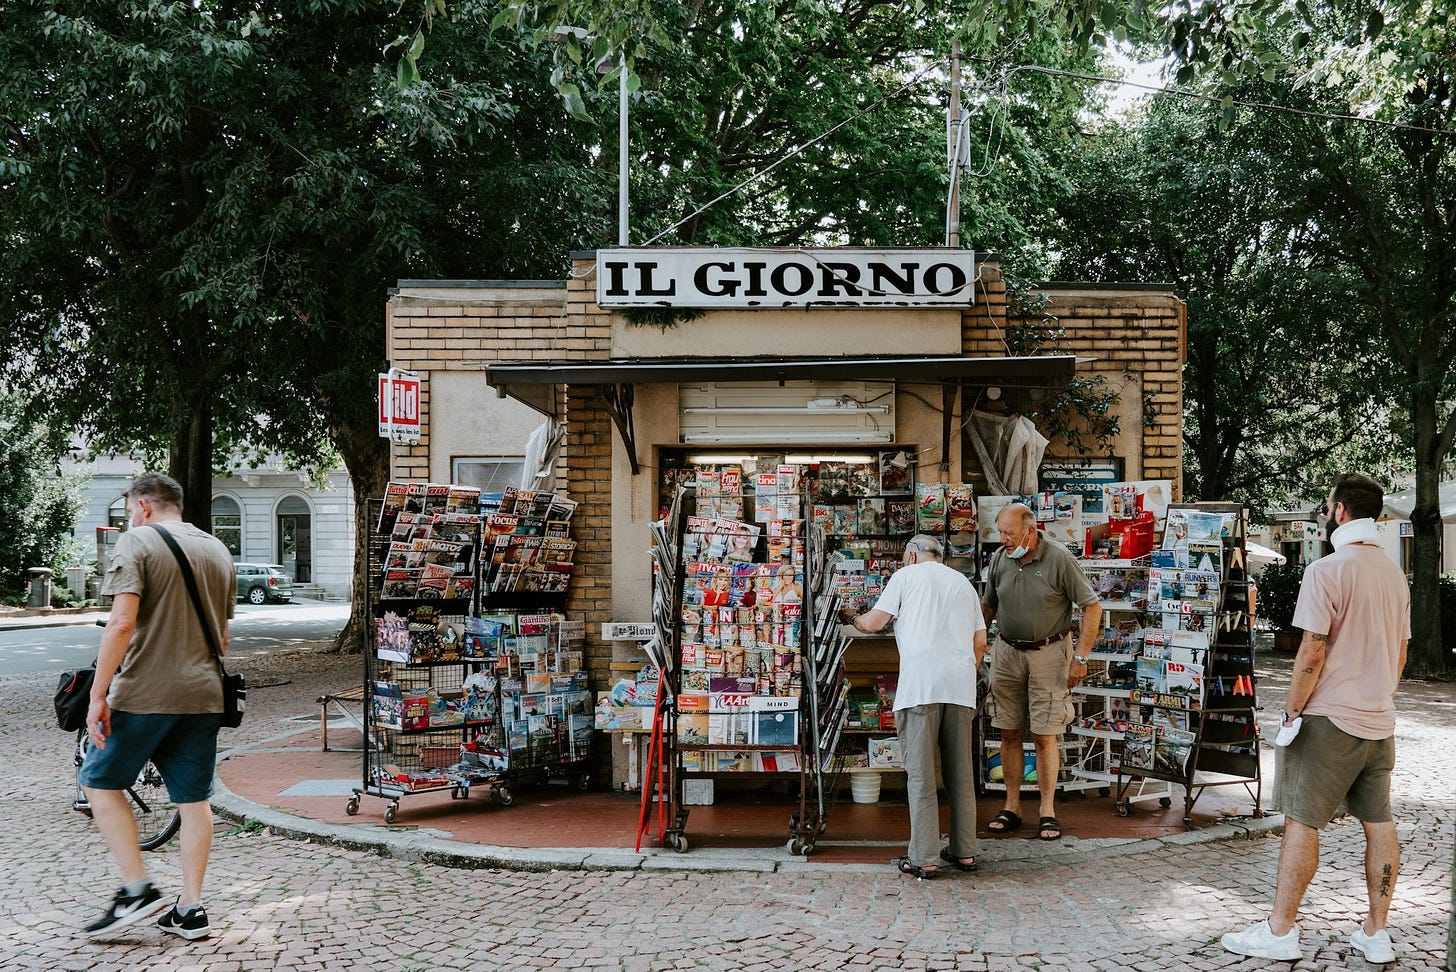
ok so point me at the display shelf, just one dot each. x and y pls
(1097, 733)
(1106, 693)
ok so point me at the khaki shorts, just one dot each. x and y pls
(1326, 766)
(1029, 688)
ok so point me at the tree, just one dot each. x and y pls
(729, 91)
(42, 502)
(1168, 194)
(1379, 147)
(205, 206)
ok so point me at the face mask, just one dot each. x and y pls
(1019, 552)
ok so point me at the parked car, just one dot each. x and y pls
(260, 583)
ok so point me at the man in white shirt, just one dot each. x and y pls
(941, 636)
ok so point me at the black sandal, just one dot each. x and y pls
(923, 873)
(956, 862)
(1049, 825)
(1004, 822)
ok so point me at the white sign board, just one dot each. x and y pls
(840, 277)
(399, 406)
(628, 631)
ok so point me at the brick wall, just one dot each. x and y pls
(1134, 337)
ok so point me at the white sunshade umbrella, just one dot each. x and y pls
(1261, 556)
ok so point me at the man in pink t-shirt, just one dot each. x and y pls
(1337, 740)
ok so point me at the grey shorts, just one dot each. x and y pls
(1029, 688)
(1326, 766)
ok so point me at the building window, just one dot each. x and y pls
(116, 515)
(491, 473)
(227, 523)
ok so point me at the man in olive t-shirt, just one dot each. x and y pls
(1033, 586)
(157, 695)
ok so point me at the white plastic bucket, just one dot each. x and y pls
(865, 787)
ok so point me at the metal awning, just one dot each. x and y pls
(537, 383)
(1049, 371)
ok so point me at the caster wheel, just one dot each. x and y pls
(352, 807)
(583, 782)
(678, 843)
(1104, 792)
(1122, 808)
(391, 813)
(1165, 802)
(504, 796)
(807, 848)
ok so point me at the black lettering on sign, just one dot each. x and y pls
(839, 276)
(645, 288)
(932, 279)
(779, 279)
(755, 280)
(615, 286)
(883, 279)
(722, 287)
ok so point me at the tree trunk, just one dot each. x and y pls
(366, 457)
(190, 463)
(1426, 656)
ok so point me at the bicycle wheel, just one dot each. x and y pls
(157, 817)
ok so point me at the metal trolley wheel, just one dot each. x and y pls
(352, 807)
(677, 841)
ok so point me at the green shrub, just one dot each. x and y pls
(1447, 604)
(1279, 593)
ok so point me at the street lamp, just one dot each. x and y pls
(561, 34)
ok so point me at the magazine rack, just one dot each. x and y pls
(740, 734)
(445, 704)
(1221, 706)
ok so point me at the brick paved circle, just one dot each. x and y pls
(283, 904)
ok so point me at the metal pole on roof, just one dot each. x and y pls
(953, 148)
(622, 152)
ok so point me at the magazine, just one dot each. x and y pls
(1138, 743)
(930, 500)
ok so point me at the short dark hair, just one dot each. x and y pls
(1363, 497)
(157, 489)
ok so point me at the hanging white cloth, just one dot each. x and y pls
(538, 470)
(1010, 449)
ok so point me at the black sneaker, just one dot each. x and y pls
(128, 909)
(191, 926)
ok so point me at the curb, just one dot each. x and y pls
(429, 846)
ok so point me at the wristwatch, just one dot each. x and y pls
(1080, 659)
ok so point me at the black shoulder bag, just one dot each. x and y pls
(234, 687)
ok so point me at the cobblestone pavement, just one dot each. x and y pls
(281, 904)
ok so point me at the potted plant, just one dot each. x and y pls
(1278, 588)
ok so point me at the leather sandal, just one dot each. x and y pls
(956, 862)
(1004, 822)
(1049, 825)
(923, 873)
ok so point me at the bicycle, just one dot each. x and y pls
(157, 817)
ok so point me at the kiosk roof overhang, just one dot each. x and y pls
(530, 382)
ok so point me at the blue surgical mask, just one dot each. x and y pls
(1019, 552)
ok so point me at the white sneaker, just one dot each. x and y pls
(1260, 942)
(1377, 949)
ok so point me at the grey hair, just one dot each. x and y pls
(926, 544)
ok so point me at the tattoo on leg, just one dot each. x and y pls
(1385, 881)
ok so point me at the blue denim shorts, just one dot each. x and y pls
(183, 747)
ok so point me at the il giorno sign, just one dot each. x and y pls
(785, 278)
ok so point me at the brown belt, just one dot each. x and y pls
(1034, 645)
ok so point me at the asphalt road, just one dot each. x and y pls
(254, 629)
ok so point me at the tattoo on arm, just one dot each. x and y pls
(1319, 637)
(1307, 671)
